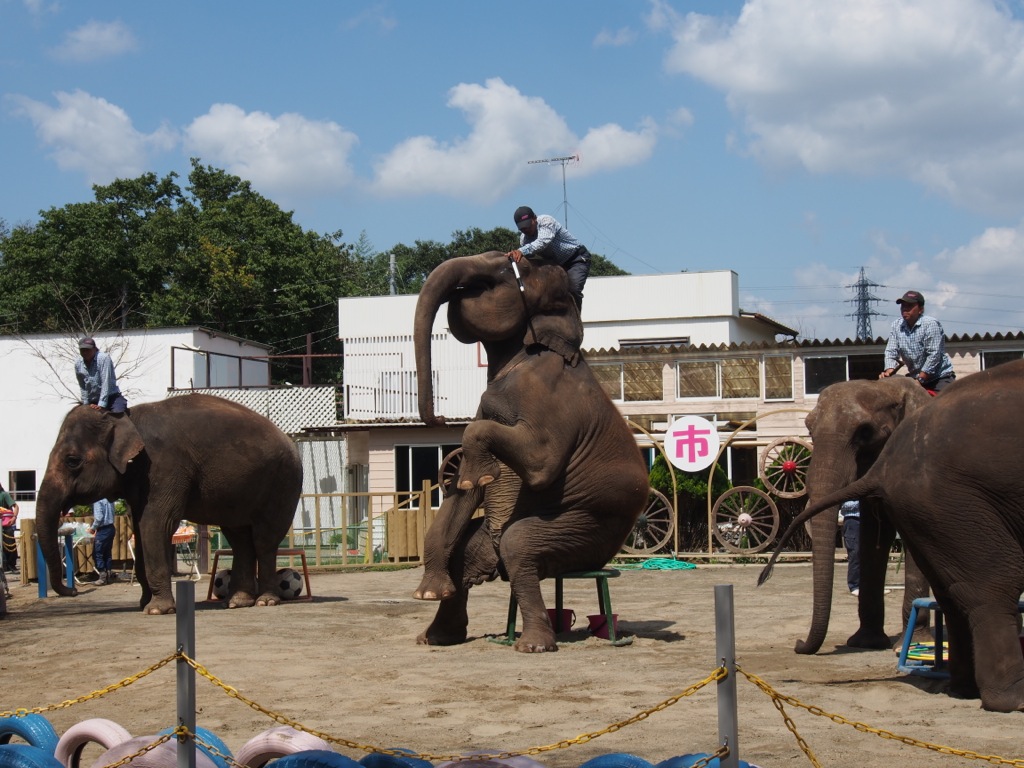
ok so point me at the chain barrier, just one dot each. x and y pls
(779, 698)
(721, 673)
(95, 694)
(718, 674)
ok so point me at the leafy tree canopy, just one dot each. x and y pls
(149, 253)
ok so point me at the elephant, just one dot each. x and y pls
(950, 479)
(547, 457)
(198, 457)
(849, 426)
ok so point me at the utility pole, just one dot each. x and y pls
(563, 161)
(391, 274)
(862, 301)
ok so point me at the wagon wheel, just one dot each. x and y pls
(449, 471)
(654, 526)
(784, 467)
(746, 520)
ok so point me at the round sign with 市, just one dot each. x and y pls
(691, 443)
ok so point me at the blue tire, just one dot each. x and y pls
(26, 756)
(617, 760)
(378, 760)
(35, 729)
(316, 758)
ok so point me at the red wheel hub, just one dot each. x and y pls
(789, 466)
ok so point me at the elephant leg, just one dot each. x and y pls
(473, 562)
(242, 586)
(443, 536)
(984, 626)
(915, 586)
(535, 452)
(536, 547)
(153, 564)
(876, 537)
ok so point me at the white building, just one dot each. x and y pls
(39, 387)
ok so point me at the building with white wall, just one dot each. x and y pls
(38, 386)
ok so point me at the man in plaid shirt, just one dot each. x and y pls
(542, 237)
(917, 341)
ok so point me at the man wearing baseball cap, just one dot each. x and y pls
(917, 341)
(96, 379)
(542, 237)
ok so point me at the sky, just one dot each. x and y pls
(795, 142)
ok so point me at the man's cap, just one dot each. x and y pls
(911, 297)
(523, 215)
(86, 343)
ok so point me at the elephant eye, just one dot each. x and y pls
(72, 461)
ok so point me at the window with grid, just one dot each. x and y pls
(778, 377)
(992, 359)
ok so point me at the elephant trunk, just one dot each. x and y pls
(50, 505)
(436, 290)
(822, 480)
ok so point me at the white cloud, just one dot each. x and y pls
(925, 89)
(507, 130)
(89, 134)
(616, 38)
(96, 40)
(289, 154)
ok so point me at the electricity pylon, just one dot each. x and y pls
(862, 301)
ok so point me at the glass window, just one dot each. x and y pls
(641, 381)
(819, 372)
(992, 359)
(609, 376)
(778, 377)
(22, 484)
(416, 463)
(698, 378)
(741, 377)
(866, 366)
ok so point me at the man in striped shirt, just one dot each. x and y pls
(542, 237)
(917, 341)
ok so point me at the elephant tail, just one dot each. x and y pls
(858, 489)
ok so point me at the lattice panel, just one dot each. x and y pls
(292, 409)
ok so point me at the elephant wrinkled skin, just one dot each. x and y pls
(548, 456)
(198, 457)
(849, 426)
(950, 479)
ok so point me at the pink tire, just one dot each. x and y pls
(98, 730)
(277, 742)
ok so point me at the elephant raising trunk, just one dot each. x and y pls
(548, 456)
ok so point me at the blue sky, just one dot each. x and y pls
(792, 141)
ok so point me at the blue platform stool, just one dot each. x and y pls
(936, 666)
(604, 601)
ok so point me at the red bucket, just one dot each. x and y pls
(598, 625)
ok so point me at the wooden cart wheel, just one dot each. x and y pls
(746, 520)
(449, 471)
(784, 467)
(653, 528)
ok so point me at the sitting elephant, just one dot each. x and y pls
(949, 477)
(849, 426)
(198, 457)
(548, 457)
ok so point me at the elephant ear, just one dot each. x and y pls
(554, 320)
(126, 443)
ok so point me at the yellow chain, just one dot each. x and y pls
(778, 698)
(127, 759)
(718, 674)
(721, 752)
(95, 694)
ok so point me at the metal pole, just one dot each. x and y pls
(725, 649)
(185, 599)
(565, 197)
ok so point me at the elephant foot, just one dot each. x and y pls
(476, 474)
(536, 642)
(268, 598)
(869, 639)
(434, 587)
(1008, 700)
(434, 636)
(241, 600)
(158, 609)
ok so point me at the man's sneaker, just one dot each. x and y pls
(111, 576)
(101, 580)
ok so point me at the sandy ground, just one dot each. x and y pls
(347, 664)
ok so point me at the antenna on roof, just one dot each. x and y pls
(563, 160)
